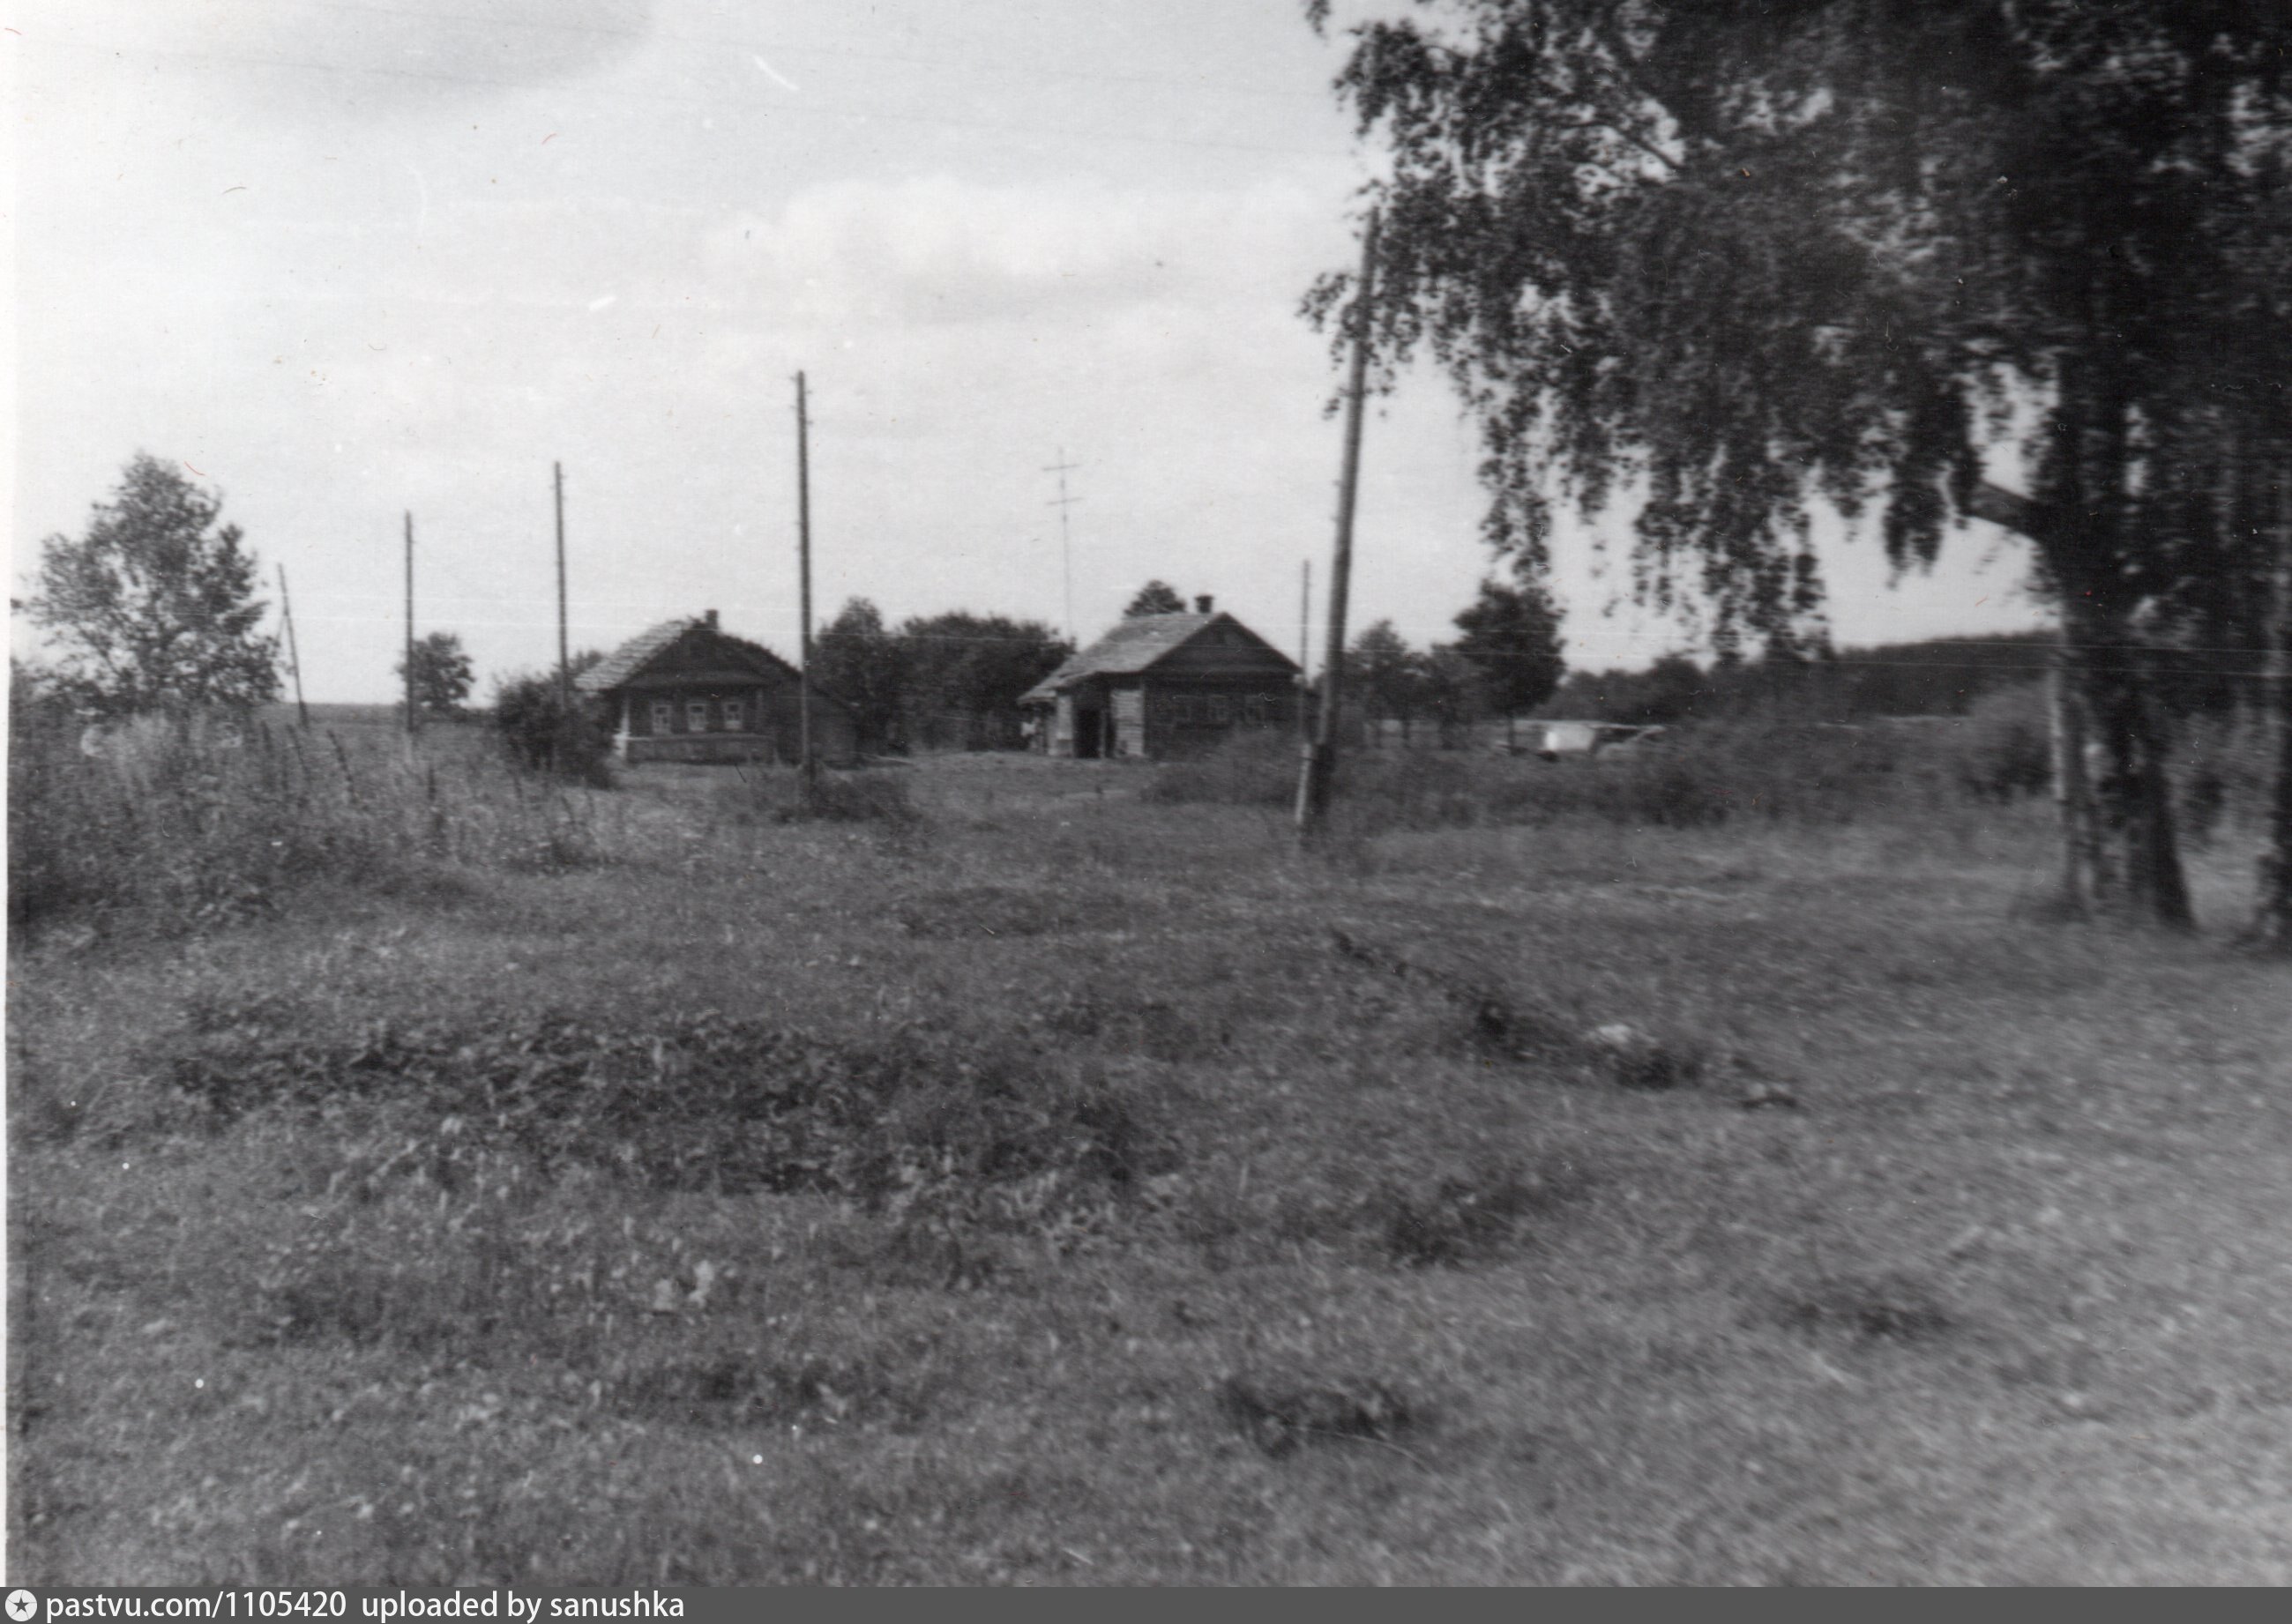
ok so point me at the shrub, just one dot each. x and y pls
(2003, 749)
(573, 740)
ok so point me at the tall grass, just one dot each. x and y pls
(778, 795)
(192, 818)
(1760, 767)
(1769, 765)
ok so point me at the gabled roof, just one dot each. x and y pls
(1132, 647)
(624, 662)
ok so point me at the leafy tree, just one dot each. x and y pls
(1155, 598)
(859, 660)
(965, 674)
(1385, 672)
(1452, 688)
(442, 675)
(1739, 257)
(1512, 634)
(155, 604)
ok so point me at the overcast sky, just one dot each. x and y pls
(345, 259)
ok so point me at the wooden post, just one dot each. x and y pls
(413, 722)
(294, 654)
(1321, 754)
(564, 661)
(803, 590)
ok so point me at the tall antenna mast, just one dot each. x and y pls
(1062, 501)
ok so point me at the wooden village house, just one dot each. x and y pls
(686, 690)
(1164, 685)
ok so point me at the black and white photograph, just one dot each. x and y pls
(1222, 792)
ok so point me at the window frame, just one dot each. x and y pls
(663, 716)
(1220, 709)
(696, 716)
(733, 712)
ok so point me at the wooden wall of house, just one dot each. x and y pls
(1183, 714)
(1129, 721)
(641, 702)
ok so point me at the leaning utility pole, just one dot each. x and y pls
(1306, 651)
(564, 664)
(804, 591)
(1321, 753)
(412, 723)
(294, 654)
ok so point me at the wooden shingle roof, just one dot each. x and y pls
(626, 664)
(1132, 647)
(633, 656)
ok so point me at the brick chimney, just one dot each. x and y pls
(1202, 604)
(708, 619)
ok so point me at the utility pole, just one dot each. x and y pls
(1305, 652)
(293, 655)
(1062, 468)
(564, 662)
(1321, 754)
(803, 588)
(412, 721)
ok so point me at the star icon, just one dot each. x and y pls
(21, 1605)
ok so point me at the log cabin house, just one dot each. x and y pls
(686, 690)
(1160, 685)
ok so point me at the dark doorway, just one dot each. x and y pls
(1089, 732)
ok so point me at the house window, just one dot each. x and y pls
(732, 719)
(696, 716)
(1221, 708)
(1182, 707)
(664, 716)
(1255, 710)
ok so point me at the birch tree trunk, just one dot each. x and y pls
(2271, 923)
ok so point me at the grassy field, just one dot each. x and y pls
(1054, 1184)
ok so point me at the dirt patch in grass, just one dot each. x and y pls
(1891, 1308)
(1468, 1217)
(1280, 1410)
